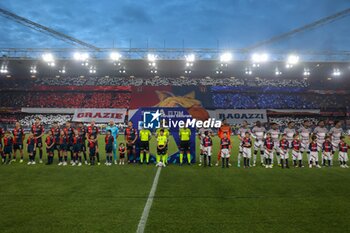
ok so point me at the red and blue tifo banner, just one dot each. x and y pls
(153, 118)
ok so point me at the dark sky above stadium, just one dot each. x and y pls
(205, 23)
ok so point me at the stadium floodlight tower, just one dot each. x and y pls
(49, 59)
(225, 58)
(292, 60)
(82, 57)
(258, 58)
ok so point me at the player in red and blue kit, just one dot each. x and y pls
(247, 149)
(18, 138)
(82, 132)
(296, 144)
(327, 152)
(92, 149)
(8, 144)
(225, 149)
(63, 142)
(109, 141)
(93, 130)
(69, 131)
(55, 130)
(38, 132)
(343, 152)
(50, 147)
(207, 144)
(313, 149)
(1, 149)
(130, 137)
(77, 144)
(268, 150)
(284, 151)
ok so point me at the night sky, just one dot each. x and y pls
(200, 24)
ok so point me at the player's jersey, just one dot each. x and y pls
(258, 133)
(185, 134)
(92, 130)
(275, 133)
(77, 140)
(162, 140)
(130, 134)
(327, 146)
(224, 129)
(49, 140)
(225, 143)
(37, 130)
(69, 132)
(18, 136)
(8, 141)
(247, 142)
(343, 147)
(289, 133)
(201, 133)
(304, 133)
(296, 144)
(284, 144)
(63, 140)
(109, 139)
(336, 133)
(114, 131)
(207, 141)
(145, 135)
(241, 132)
(313, 147)
(30, 142)
(82, 132)
(56, 133)
(92, 144)
(269, 143)
(321, 133)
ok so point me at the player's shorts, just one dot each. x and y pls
(144, 145)
(284, 154)
(17, 146)
(207, 150)
(313, 156)
(335, 145)
(258, 145)
(122, 156)
(77, 148)
(8, 149)
(130, 146)
(161, 151)
(92, 151)
(39, 143)
(296, 155)
(304, 146)
(63, 147)
(50, 150)
(225, 153)
(343, 156)
(247, 152)
(184, 145)
(109, 149)
(327, 155)
(30, 149)
(268, 154)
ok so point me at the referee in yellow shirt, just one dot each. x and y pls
(145, 137)
(162, 142)
(185, 135)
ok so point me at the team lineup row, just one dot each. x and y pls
(271, 143)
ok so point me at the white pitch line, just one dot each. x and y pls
(145, 213)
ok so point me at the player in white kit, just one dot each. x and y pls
(289, 132)
(320, 131)
(275, 135)
(304, 132)
(241, 134)
(258, 133)
(336, 132)
(201, 135)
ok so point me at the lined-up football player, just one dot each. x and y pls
(313, 158)
(131, 136)
(247, 149)
(284, 151)
(343, 153)
(258, 133)
(38, 131)
(268, 150)
(241, 135)
(18, 138)
(207, 148)
(225, 150)
(109, 142)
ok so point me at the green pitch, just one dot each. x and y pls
(44, 198)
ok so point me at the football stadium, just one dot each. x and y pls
(111, 121)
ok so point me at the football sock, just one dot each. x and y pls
(245, 161)
(181, 157)
(141, 157)
(188, 158)
(287, 163)
(147, 157)
(329, 162)
(324, 162)
(65, 158)
(205, 160)
(164, 159)
(158, 158)
(281, 162)
(227, 162)
(294, 162)
(248, 161)
(223, 162)
(300, 163)
(209, 160)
